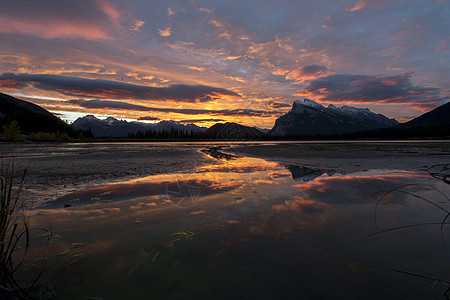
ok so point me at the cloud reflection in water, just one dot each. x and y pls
(250, 215)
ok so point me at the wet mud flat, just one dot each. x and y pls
(352, 156)
(56, 169)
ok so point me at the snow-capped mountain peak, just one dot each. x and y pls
(301, 106)
(111, 120)
(90, 117)
(308, 117)
(312, 103)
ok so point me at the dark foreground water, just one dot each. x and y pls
(246, 229)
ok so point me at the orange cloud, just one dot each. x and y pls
(216, 23)
(225, 35)
(361, 4)
(165, 32)
(280, 72)
(137, 25)
(195, 68)
(274, 175)
(235, 78)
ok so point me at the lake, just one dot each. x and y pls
(244, 227)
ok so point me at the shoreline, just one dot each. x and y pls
(57, 169)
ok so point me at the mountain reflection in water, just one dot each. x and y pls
(245, 228)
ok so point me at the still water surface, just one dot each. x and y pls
(246, 228)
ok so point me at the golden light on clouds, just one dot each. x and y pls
(165, 32)
(361, 4)
(137, 25)
(266, 54)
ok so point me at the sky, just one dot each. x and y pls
(214, 61)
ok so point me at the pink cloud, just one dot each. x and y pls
(51, 29)
(50, 19)
(301, 205)
(308, 73)
(442, 47)
(111, 11)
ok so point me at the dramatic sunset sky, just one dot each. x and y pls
(208, 61)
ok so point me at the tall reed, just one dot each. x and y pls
(14, 233)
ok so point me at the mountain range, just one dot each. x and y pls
(111, 127)
(305, 118)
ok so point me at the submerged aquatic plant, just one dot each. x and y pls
(176, 237)
(14, 234)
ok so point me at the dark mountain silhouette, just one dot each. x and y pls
(437, 120)
(433, 124)
(111, 127)
(233, 131)
(30, 117)
(310, 118)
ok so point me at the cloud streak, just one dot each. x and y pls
(106, 89)
(117, 105)
(201, 120)
(277, 105)
(148, 118)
